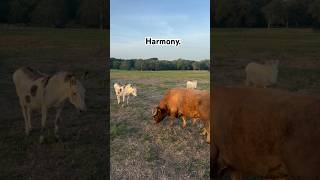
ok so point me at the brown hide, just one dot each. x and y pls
(264, 132)
(186, 103)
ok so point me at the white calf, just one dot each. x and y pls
(192, 84)
(262, 74)
(128, 89)
(38, 91)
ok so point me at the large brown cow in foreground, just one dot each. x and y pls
(264, 132)
(182, 102)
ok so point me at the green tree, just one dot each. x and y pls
(276, 13)
(20, 10)
(4, 11)
(50, 13)
(90, 12)
(314, 11)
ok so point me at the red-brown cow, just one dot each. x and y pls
(263, 132)
(182, 102)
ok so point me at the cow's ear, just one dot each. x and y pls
(70, 78)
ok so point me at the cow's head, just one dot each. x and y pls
(77, 93)
(131, 89)
(158, 114)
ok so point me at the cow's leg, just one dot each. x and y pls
(118, 99)
(207, 130)
(248, 81)
(128, 100)
(57, 120)
(43, 122)
(29, 119)
(184, 122)
(24, 113)
(171, 122)
(208, 138)
(236, 175)
(123, 99)
(194, 120)
(204, 132)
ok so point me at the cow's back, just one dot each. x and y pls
(29, 86)
(21, 79)
(173, 99)
(261, 131)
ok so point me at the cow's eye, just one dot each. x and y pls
(74, 93)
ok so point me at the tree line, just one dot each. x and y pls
(55, 13)
(153, 64)
(266, 13)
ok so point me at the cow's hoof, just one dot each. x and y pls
(208, 140)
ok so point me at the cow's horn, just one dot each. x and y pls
(154, 111)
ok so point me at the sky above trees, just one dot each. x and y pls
(132, 21)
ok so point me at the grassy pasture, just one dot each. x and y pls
(81, 152)
(257, 44)
(141, 149)
(298, 52)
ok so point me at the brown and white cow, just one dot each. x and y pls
(262, 132)
(182, 102)
(118, 89)
(128, 90)
(38, 91)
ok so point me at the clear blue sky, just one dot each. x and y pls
(132, 20)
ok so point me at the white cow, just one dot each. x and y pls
(127, 91)
(118, 89)
(38, 91)
(192, 84)
(262, 74)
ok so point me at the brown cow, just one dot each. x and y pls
(182, 102)
(264, 132)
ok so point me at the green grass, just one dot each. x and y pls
(295, 78)
(117, 130)
(265, 43)
(162, 74)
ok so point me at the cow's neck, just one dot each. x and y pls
(56, 91)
